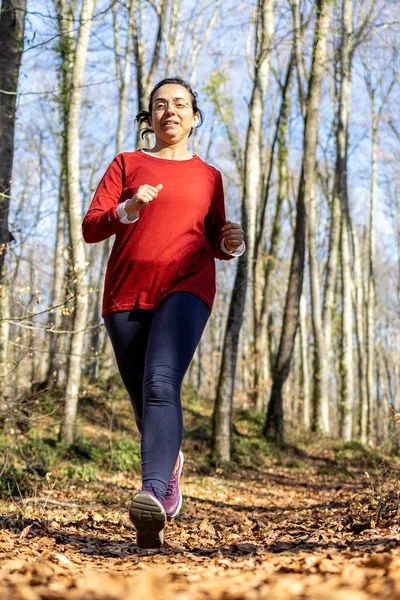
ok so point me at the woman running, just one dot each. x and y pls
(166, 209)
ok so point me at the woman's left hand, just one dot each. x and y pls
(233, 235)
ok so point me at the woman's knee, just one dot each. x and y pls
(163, 384)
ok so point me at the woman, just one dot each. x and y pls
(166, 209)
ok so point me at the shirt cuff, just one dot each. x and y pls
(123, 216)
(238, 252)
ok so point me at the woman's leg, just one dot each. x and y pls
(177, 326)
(129, 332)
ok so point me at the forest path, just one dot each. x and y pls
(318, 533)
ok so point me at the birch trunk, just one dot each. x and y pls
(68, 424)
(222, 417)
(274, 427)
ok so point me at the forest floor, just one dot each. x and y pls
(318, 522)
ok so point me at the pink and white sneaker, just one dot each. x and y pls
(173, 498)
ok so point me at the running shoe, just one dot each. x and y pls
(149, 518)
(173, 498)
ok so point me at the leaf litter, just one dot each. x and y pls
(272, 533)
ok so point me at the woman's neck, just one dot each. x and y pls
(172, 152)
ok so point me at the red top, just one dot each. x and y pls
(171, 247)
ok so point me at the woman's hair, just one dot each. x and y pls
(144, 115)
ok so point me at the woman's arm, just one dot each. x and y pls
(101, 220)
(217, 227)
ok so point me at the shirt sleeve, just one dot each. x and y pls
(101, 220)
(124, 217)
(216, 219)
(238, 252)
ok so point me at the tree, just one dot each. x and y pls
(12, 23)
(274, 427)
(346, 360)
(222, 417)
(78, 255)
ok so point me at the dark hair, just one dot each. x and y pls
(144, 115)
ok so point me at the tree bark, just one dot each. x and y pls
(144, 82)
(274, 426)
(370, 293)
(346, 362)
(68, 424)
(266, 263)
(359, 302)
(123, 70)
(305, 375)
(12, 23)
(222, 419)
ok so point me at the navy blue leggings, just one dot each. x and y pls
(153, 349)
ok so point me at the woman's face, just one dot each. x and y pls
(172, 117)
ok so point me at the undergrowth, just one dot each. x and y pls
(107, 442)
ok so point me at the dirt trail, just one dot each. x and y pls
(275, 534)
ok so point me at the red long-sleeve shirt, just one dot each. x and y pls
(172, 246)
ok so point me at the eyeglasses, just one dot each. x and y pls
(162, 105)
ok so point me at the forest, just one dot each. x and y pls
(294, 390)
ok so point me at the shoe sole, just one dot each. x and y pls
(176, 513)
(149, 518)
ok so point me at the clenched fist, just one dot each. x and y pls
(233, 235)
(144, 195)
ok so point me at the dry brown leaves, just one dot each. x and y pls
(276, 535)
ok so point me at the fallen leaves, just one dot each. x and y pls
(280, 534)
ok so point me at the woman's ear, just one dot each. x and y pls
(195, 120)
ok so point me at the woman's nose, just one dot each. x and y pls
(170, 108)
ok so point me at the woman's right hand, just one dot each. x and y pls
(144, 195)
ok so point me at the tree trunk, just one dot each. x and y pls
(370, 284)
(60, 342)
(274, 428)
(305, 376)
(297, 39)
(57, 293)
(346, 359)
(67, 430)
(144, 82)
(123, 77)
(359, 302)
(12, 22)
(346, 362)
(267, 263)
(252, 172)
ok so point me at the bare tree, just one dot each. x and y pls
(145, 76)
(12, 22)
(274, 427)
(222, 418)
(78, 255)
(346, 360)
